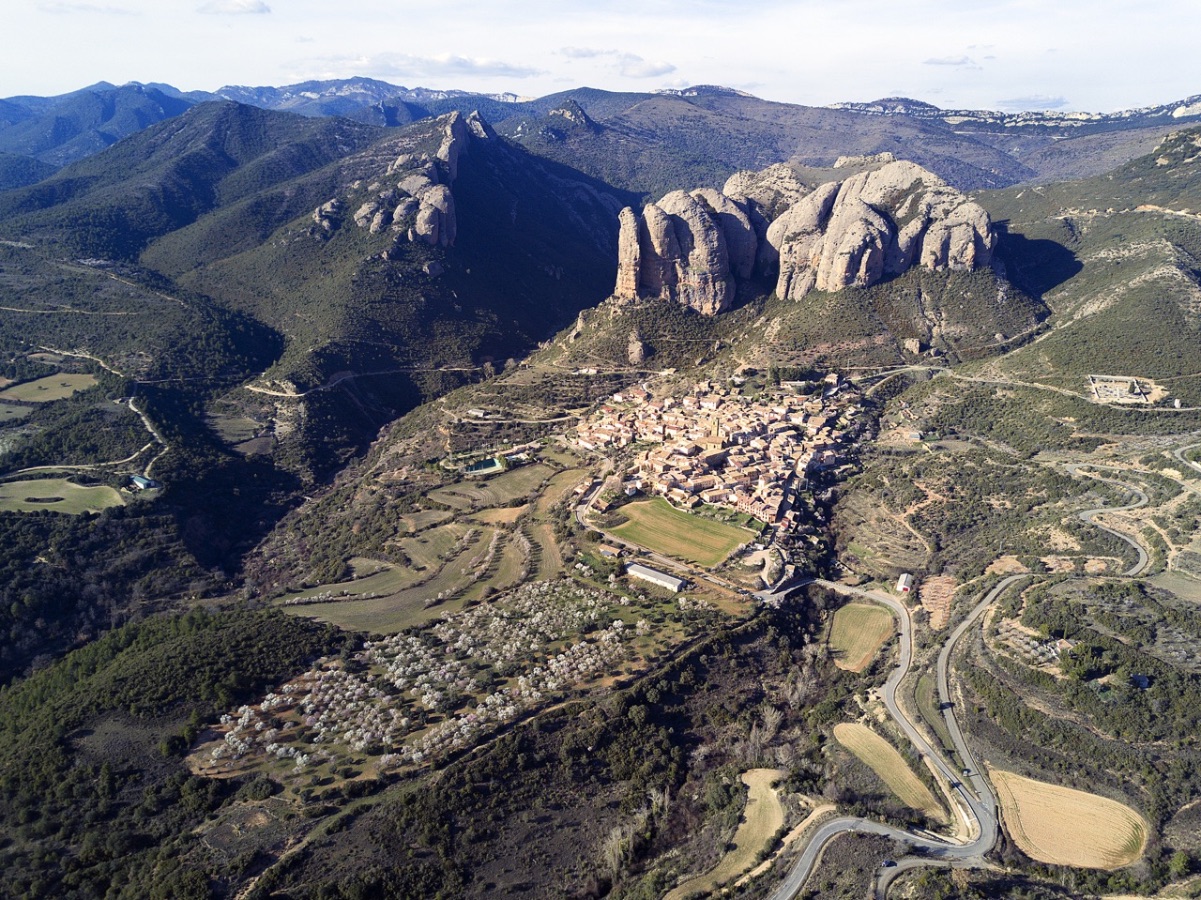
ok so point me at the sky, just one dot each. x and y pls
(1064, 55)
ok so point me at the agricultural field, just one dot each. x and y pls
(661, 528)
(1066, 827)
(56, 495)
(559, 487)
(10, 413)
(370, 577)
(857, 633)
(886, 761)
(50, 388)
(413, 605)
(430, 548)
(426, 518)
(505, 515)
(498, 491)
(761, 820)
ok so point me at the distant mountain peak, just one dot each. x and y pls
(574, 113)
(704, 90)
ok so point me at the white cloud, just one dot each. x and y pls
(234, 7)
(966, 61)
(628, 65)
(585, 52)
(632, 66)
(75, 8)
(1034, 101)
(447, 64)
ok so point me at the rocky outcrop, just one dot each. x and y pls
(436, 223)
(771, 190)
(694, 247)
(328, 216)
(629, 254)
(454, 142)
(877, 224)
(420, 207)
(687, 248)
(636, 350)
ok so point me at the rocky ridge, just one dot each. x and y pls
(418, 204)
(694, 248)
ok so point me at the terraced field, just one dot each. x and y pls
(428, 549)
(370, 577)
(498, 491)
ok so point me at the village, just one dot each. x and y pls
(714, 445)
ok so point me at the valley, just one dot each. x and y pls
(421, 508)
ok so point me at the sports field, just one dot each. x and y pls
(762, 818)
(53, 387)
(886, 761)
(659, 526)
(56, 495)
(857, 634)
(1066, 827)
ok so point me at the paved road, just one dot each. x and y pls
(971, 796)
(972, 792)
(977, 805)
(1089, 515)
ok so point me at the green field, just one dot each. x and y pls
(56, 495)
(498, 491)
(859, 630)
(408, 607)
(560, 486)
(10, 413)
(660, 527)
(53, 387)
(428, 549)
(370, 577)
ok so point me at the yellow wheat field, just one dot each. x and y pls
(857, 633)
(1066, 827)
(886, 761)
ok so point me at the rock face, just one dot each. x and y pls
(694, 247)
(687, 248)
(771, 190)
(420, 207)
(877, 224)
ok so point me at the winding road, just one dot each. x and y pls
(971, 795)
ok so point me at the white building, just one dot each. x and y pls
(654, 576)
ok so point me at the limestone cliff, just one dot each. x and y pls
(877, 224)
(688, 247)
(416, 203)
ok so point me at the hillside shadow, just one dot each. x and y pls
(1037, 265)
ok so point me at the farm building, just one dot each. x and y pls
(608, 551)
(142, 483)
(905, 583)
(654, 576)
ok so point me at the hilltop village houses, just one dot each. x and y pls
(717, 447)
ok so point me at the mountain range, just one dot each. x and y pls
(640, 141)
(344, 332)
